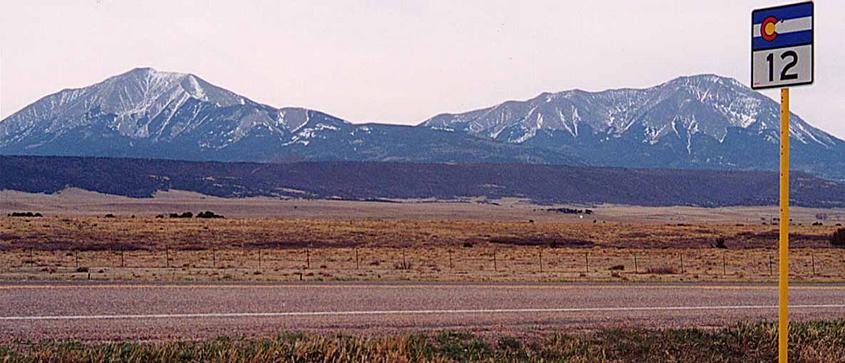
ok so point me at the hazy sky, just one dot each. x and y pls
(400, 61)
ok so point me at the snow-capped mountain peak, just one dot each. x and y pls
(702, 121)
(704, 104)
(136, 104)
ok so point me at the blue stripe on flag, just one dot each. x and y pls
(783, 40)
(787, 12)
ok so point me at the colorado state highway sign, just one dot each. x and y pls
(782, 46)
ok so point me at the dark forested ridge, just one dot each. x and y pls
(371, 180)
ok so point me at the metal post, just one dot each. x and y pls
(783, 268)
(813, 262)
(540, 255)
(770, 265)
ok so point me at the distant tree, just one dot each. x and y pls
(25, 214)
(838, 238)
(208, 214)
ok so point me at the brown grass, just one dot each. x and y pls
(480, 263)
(124, 233)
(818, 341)
(363, 249)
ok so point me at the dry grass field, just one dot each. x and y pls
(819, 342)
(285, 249)
(503, 240)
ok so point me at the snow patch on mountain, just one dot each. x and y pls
(703, 104)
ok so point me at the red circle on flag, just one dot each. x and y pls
(769, 34)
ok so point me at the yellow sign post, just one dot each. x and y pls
(782, 56)
(783, 265)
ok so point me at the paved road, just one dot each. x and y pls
(35, 311)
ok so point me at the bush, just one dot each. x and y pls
(661, 270)
(838, 238)
(720, 243)
(183, 215)
(617, 268)
(25, 214)
(208, 214)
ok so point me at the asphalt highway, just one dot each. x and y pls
(33, 311)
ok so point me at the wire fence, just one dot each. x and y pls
(432, 262)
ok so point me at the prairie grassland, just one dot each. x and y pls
(147, 233)
(427, 250)
(813, 342)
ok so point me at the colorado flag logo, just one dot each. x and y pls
(781, 27)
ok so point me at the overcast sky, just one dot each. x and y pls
(400, 61)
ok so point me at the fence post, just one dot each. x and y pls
(636, 266)
(357, 260)
(540, 257)
(813, 262)
(404, 262)
(450, 260)
(682, 263)
(259, 258)
(770, 264)
(495, 265)
(76, 257)
(122, 258)
(307, 259)
(587, 262)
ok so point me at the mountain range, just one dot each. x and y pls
(695, 122)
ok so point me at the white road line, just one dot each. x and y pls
(408, 312)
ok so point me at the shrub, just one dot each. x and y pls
(208, 214)
(661, 270)
(838, 238)
(617, 267)
(720, 243)
(25, 214)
